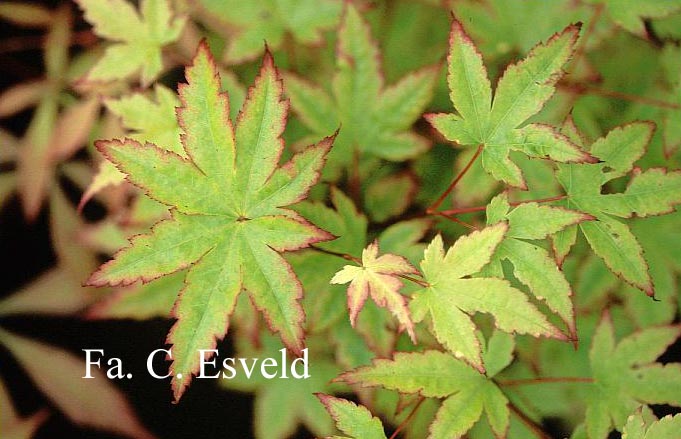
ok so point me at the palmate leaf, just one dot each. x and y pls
(651, 192)
(626, 375)
(57, 373)
(532, 265)
(12, 426)
(352, 419)
(630, 14)
(436, 374)
(292, 399)
(375, 118)
(522, 91)
(228, 220)
(451, 297)
(665, 428)
(270, 20)
(139, 37)
(378, 277)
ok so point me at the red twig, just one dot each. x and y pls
(536, 429)
(581, 88)
(461, 210)
(407, 419)
(433, 207)
(544, 380)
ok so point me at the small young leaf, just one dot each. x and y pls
(378, 277)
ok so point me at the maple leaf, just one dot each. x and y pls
(15, 426)
(139, 37)
(94, 403)
(630, 14)
(375, 118)
(626, 375)
(501, 25)
(228, 219)
(378, 277)
(651, 192)
(637, 427)
(522, 91)
(532, 265)
(326, 310)
(352, 419)
(436, 374)
(450, 297)
(269, 20)
(293, 400)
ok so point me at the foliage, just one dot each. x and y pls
(519, 242)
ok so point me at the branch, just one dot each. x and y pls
(543, 380)
(582, 88)
(407, 419)
(433, 207)
(515, 203)
(345, 256)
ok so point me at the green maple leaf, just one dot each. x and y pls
(500, 25)
(522, 91)
(532, 265)
(378, 277)
(228, 220)
(651, 192)
(153, 121)
(637, 428)
(352, 419)
(630, 14)
(452, 296)
(375, 118)
(139, 37)
(435, 374)
(270, 20)
(626, 375)
(292, 400)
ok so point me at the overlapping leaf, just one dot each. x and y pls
(665, 428)
(626, 375)
(229, 220)
(138, 37)
(651, 192)
(532, 264)
(522, 91)
(352, 419)
(95, 403)
(270, 20)
(631, 14)
(378, 277)
(375, 119)
(293, 400)
(452, 296)
(435, 374)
